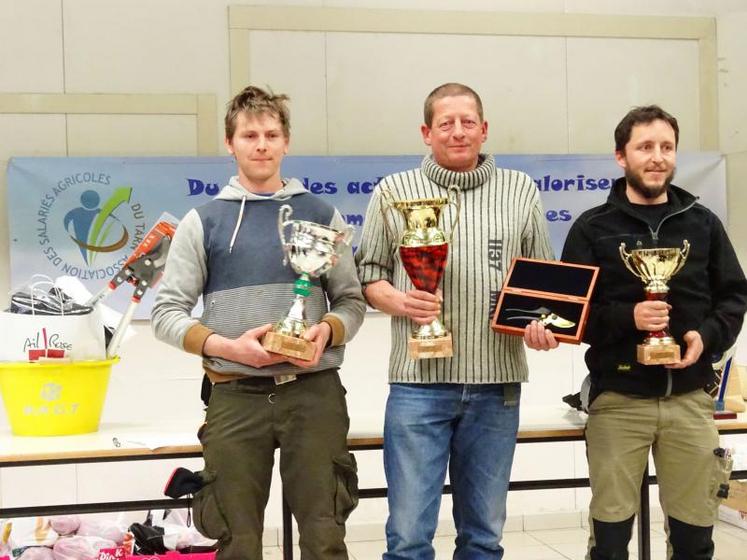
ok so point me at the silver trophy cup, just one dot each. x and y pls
(312, 249)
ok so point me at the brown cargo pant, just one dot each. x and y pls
(246, 421)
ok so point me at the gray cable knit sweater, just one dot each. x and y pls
(501, 218)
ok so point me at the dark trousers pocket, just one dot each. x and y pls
(346, 491)
(208, 512)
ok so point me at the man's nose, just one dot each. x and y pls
(262, 143)
(657, 154)
(458, 129)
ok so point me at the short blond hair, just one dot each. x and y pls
(256, 101)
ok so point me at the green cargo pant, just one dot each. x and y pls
(246, 421)
(682, 436)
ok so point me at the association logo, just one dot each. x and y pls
(92, 225)
(87, 227)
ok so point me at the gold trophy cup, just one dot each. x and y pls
(312, 250)
(655, 267)
(424, 249)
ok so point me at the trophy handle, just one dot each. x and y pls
(285, 212)
(457, 203)
(347, 234)
(626, 260)
(683, 256)
(386, 203)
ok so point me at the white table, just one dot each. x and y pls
(134, 442)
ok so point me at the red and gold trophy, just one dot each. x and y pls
(655, 267)
(424, 250)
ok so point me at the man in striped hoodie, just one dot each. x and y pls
(461, 411)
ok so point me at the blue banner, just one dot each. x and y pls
(83, 217)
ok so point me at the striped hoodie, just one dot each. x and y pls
(501, 217)
(228, 251)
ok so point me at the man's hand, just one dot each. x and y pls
(537, 337)
(651, 315)
(246, 349)
(318, 334)
(693, 352)
(422, 307)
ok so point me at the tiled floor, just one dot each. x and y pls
(554, 544)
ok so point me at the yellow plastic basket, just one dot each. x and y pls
(54, 399)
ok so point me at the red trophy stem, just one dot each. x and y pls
(425, 265)
(658, 296)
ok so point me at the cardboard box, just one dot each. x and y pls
(737, 496)
(733, 509)
(555, 292)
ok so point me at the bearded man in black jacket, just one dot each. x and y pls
(636, 407)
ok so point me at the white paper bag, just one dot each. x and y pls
(30, 337)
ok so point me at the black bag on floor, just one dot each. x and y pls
(148, 538)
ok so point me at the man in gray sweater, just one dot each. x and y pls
(228, 251)
(461, 411)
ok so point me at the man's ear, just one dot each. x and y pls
(620, 159)
(425, 130)
(229, 145)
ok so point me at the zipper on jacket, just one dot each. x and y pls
(655, 237)
(655, 233)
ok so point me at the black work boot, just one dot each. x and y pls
(690, 542)
(611, 540)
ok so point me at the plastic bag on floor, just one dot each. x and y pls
(36, 553)
(103, 528)
(31, 532)
(181, 535)
(65, 524)
(80, 548)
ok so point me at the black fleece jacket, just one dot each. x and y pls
(709, 294)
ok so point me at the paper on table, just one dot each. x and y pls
(154, 441)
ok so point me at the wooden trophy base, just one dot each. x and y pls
(420, 349)
(659, 354)
(288, 346)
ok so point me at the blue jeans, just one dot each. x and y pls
(470, 428)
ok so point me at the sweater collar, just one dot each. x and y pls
(463, 179)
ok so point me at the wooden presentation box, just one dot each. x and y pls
(537, 288)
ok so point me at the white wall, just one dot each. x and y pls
(352, 93)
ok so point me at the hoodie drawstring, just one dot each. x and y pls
(238, 224)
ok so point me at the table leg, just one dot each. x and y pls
(644, 520)
(287, 531)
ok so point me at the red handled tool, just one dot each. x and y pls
(142, 269)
